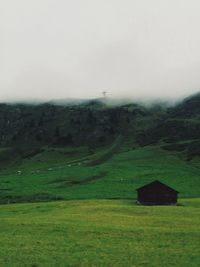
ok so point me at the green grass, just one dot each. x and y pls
(68, 174)
(100, 225)
(100, 233)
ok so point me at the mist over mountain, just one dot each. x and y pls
(28, 127)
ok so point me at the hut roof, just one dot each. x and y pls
(156, 183)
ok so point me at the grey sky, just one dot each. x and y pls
(78, 48)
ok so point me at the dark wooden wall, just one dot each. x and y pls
(157, 195)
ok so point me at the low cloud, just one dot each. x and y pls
(70, 49)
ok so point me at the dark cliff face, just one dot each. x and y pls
(49, 124)
(95, 124)
(189, 108)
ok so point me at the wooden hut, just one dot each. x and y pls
(157, 193)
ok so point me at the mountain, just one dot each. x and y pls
(95, 123)
(188, 108)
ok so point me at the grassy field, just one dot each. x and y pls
(77, 174)
(100, 233)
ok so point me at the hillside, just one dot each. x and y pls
(96, 150)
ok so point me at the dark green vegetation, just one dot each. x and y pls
(93, 150)
(100, 233)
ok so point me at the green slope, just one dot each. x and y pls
(109, 172)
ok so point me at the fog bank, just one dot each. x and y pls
(135, 49)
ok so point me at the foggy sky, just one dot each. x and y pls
(73, 48)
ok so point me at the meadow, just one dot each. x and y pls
(100, 233)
